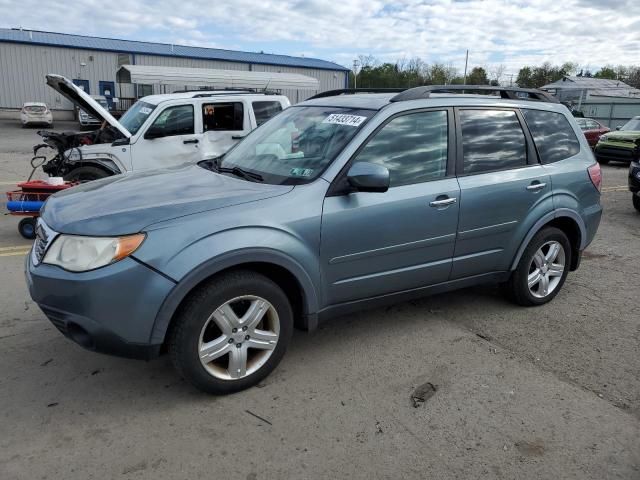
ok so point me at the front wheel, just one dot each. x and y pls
(542, 269)
(85, 174)
(636, 202)
(231, 332)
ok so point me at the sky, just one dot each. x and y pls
(591, 33)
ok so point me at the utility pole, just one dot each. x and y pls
(355, 74)
(466, 62)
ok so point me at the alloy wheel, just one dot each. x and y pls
(239, 337)
(546, 269)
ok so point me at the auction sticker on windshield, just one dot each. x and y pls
(344, 119)
(145, 110)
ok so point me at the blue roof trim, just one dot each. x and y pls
(36, 37)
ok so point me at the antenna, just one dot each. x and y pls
(267, 85)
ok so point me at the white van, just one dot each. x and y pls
(158, 131)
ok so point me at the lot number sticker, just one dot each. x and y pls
(344, 119)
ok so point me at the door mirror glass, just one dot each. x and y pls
(368, 177)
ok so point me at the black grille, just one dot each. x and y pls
(41, 242)
(55, 318)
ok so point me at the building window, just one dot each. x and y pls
(144, 90)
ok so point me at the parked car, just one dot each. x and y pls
(35, 113)
(634, 183)
(592, 129)
(86, 120)
(158, 131)
(342, 202)
(622, 145)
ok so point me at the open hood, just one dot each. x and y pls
(80, 98)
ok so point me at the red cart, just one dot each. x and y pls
(27, 202)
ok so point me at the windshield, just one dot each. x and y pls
(133, 118)
(296, 145)
(632, 125)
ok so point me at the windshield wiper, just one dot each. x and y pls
(239, 172)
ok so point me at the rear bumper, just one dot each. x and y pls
(110, 310)
(634, 177)
(616, 153)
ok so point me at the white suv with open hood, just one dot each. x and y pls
(158, 131)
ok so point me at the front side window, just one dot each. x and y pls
(176, 120)
(296, 146)
(264, 110)
(552, 134)
(413, 148)
(227, 116)
(492, 140)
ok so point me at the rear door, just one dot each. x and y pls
(224, 123)
(501, 184)
(171, 138)
(378, 243)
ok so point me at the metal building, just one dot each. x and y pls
(26, 56)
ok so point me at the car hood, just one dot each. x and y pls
(126, 204)
(79, 97)
(623, 135)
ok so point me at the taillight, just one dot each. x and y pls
(595, 174)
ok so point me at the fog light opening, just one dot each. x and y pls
(80, 335)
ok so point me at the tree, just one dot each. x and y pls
(525, 78)
(607, 72)
(478, 76)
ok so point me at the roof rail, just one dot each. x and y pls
(512, 93)
(351, 91)
(206, 92)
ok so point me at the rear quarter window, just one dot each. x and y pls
(554, 138)
(264, 110)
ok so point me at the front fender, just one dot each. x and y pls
(212, 254)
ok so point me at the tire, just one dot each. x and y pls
(518, 288)
(85, 174)
(636, 202)
(196, 326)
(27, 228)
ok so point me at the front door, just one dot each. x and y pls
(501, 183)
(171, 139)
(377, 243)
(107, 89)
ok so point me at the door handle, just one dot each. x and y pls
(443, 202)
(193, 140)
(534, 187)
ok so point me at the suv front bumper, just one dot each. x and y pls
(616, 152)
(109, 310)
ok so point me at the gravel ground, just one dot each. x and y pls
(548, 392)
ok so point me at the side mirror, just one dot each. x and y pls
(368, 177)
(154, 132)
(618, 127)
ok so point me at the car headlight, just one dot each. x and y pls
(79, 254)
(603, 138)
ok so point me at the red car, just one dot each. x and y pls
(592, 129)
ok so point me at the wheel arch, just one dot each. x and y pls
(285, 272)
(108, 166)
(564, 219)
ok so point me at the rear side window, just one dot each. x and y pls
(222, 116)
(413, 147)
(492, 140)
(265, 110)
(552, 134)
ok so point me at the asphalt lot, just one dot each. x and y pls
(548, 392)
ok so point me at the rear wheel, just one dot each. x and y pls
(231, 332)
(636, 202)
(542, 269)
(85, 174)
(27, 228)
